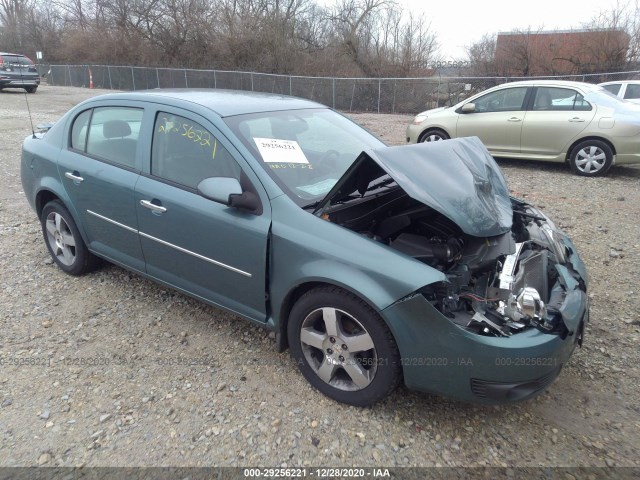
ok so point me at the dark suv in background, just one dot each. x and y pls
(18, 71)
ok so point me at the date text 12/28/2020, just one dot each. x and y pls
(327, 472)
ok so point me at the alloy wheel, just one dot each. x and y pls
(339, 349)
(61, 239)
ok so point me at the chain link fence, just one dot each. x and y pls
(381, 95)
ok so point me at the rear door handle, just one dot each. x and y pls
(576, 119)
(153, 206)
(514, 119)
(75, 176)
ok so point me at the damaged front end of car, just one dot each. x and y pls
(508, 270)
(529, 277)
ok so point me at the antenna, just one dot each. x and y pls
(26, 99)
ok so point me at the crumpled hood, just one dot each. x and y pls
(457, 177)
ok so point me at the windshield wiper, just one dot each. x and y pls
(313, 205)
(382, 183)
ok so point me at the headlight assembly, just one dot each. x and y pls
(419, 119)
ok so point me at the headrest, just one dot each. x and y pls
(116, 129)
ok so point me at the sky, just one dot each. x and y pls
(460, 23)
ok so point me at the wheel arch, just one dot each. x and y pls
(47, 193)
(43, 197)
(295, 293)
(589, 137)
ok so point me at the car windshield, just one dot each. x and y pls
(304, 151)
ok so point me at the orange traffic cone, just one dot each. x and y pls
(90, 79)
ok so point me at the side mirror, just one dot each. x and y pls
(219, 189)
(228, 191)
(248, 201)
(468, 108)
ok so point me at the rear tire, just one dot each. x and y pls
(343, 347)
(31, 89)
(64, 241)
(591, 158)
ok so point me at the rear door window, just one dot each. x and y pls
(559, 99)
(108, 133)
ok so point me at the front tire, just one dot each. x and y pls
(64, 241)
(433, 135)
(343, 347)
(591, 158)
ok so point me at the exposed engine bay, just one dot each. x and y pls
(496, 286)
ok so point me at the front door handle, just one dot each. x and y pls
(75, 176)
(514, 119)
(153, 206)
(576, 119)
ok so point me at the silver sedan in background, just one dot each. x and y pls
(557, 121)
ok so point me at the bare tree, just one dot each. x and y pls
(615, 45)
(516, 52)
(482, 56)
(379, 39)
(12, 17)
(356, 37)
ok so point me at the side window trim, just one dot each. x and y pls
(86, 134)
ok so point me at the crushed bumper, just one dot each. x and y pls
(441, 357)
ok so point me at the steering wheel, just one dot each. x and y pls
(327, 163)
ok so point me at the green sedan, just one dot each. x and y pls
(374, 265)
(551, 120)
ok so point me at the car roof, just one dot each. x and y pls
(557, 83)
(223, 102)
(14, 54)
(619, 81)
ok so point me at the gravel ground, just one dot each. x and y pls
(111, 369)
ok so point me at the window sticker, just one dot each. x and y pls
(280, 151)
